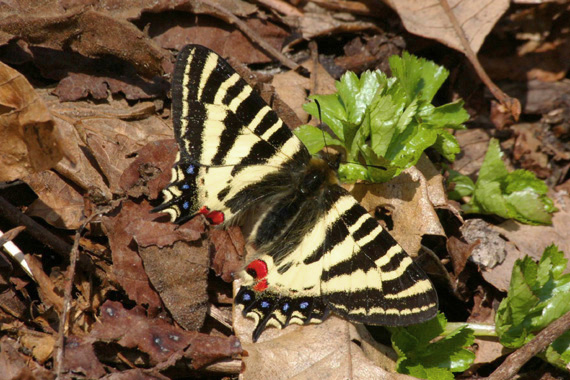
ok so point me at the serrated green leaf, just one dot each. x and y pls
(518, 195)
(315, 138)
(357, 93)
(420, 78)
(538, 295)
(451, 115)
(333, 112)
(384, 115)
(420, 357)
(523, 180)
(558, 353)
(447, 145)
(529, 207)
(489, 197)
(493, 168)
(390, 119)
(353, 172)
(407, 148)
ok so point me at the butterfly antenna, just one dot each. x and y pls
(321, 122)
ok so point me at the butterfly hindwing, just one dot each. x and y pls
(344, 262)
(229, 140)
(318, 250)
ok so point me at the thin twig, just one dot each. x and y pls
(67, 298)
(517, 359)
(512, 104)
(36, 230)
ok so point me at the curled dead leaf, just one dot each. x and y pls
(407, 199)
(29, 137)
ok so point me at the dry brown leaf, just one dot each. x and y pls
(113, 133)
(228, 252)
(428, 18)
(41, 345)
(407, 198)
(150, 172)
(326, 350)
(177, 31)
(317, 22)
(160, 340)
(130, 10)
(135, 374)
(30, 142)
(46, 288)
(58, 203)
(87, 32)
(77, 86)
(294, 88)
(176, 261)
(15, 365)
(127, 265)
(180, 275)
(113, 143)
(81, 171)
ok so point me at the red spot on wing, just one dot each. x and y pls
(215, 217)
(261, 285)
(258, 269)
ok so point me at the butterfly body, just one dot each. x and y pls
(317, 250)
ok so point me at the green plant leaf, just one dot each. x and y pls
(517, 195)
(387, 120)
(333, 112)
(420, 357)
(315, 138)
(461, 184)
(538, 295)
(419, 77)
(493, 168)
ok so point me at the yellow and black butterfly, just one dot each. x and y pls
(317, 250)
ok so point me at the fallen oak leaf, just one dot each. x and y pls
(160, 340)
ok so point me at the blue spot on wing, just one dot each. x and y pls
(264, 304)
(186, 205)
(185, 186)
(304, 305)
(190, 169)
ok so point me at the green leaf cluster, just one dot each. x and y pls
(538, 294)
(419, 357)
(385, 122)
(517, 195)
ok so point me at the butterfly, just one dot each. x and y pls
(317, 249)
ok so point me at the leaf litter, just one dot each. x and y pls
(142, 283)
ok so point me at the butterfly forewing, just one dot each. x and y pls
(318, 250)
(229, 140)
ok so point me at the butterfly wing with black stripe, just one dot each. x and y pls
(345, 263)
(317, 249)
(229, 140)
